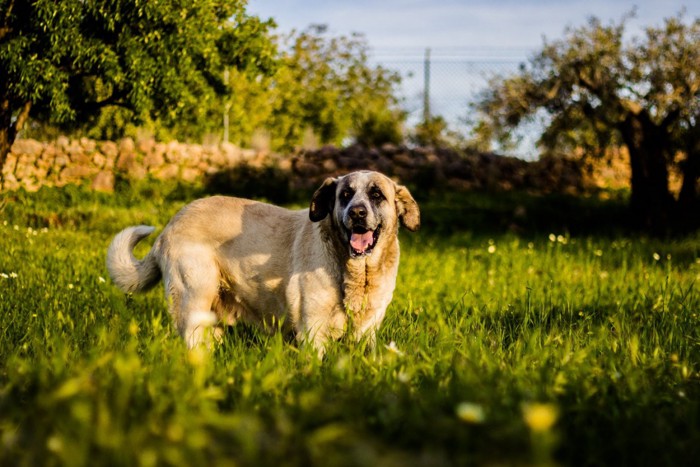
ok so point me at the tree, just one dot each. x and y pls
(324, 86)
(598, 91)
(63, 62)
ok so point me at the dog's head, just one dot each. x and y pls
(364, 206)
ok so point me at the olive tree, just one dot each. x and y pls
(598, 90)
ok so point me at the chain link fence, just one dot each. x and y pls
(445, 81)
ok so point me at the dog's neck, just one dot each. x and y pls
(363, 277)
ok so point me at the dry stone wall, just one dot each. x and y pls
(32, 164)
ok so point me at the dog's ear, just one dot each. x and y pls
(407, 209)
(323, 200)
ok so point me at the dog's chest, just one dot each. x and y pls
(367, 289)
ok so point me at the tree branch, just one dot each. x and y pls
(22, 117)
(5, 29)
(624, 106)
(19, 122)
(4, 32)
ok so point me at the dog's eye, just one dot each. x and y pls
(345, 195)
(376, 195)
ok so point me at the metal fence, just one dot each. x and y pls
(444, 81)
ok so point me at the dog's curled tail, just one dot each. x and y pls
(129, 273)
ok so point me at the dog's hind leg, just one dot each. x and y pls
(192, 287)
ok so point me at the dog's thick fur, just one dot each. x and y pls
(318, 271)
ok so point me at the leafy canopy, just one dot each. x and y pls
(586, 84)
(160, 59)
(325, 91)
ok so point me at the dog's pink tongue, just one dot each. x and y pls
(360, 241)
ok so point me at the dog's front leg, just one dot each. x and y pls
(202, 329)
(320, 329)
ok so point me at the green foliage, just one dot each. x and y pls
(323, 91)
(431, 132)
(591, 80)
(155, 60)
(596, 91)
(324, 85)
(497, 349)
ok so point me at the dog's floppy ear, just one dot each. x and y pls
(323, 200)
(407, 208)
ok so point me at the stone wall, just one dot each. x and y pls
(33, 164)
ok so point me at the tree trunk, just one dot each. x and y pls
(5, 146)
(5, 139)
(689, 196)
(9, 128)
(651, 201)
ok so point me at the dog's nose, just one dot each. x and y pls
(358, 212)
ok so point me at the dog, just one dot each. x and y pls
(320, 272)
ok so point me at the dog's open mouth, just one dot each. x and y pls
(362, 240)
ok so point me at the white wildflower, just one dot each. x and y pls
(393, 348)
(470, 412)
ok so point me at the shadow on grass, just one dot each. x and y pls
(527, 215)
(445, 212)
(246, 181)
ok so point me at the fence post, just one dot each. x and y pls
(426, 87)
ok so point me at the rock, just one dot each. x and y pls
(88, 145)
(174, 153)
(127, 146)
(329, 166)
(103, 182)
(166, 172)
(193, 155)
(190, 174)
(99, 160)
(109, 149)
(146, 145)
(126, 162)
(231, 153)
(29, 147)
(10, 164)
(404, 159)
(76, 173)
(305, 168)
(80, 158)
(62, 142)
(153, 159)
(137, 172)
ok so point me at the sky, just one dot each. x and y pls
(470, 41)
(476, 24)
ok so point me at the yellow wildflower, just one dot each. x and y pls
(540, 416)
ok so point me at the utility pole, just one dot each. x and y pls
(227, 106)
(426, 87)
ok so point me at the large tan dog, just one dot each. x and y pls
(318, 272)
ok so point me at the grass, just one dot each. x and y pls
(523, 330)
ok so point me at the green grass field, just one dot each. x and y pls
(523, 331)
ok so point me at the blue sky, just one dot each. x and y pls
(466, 34)
(467, 24)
